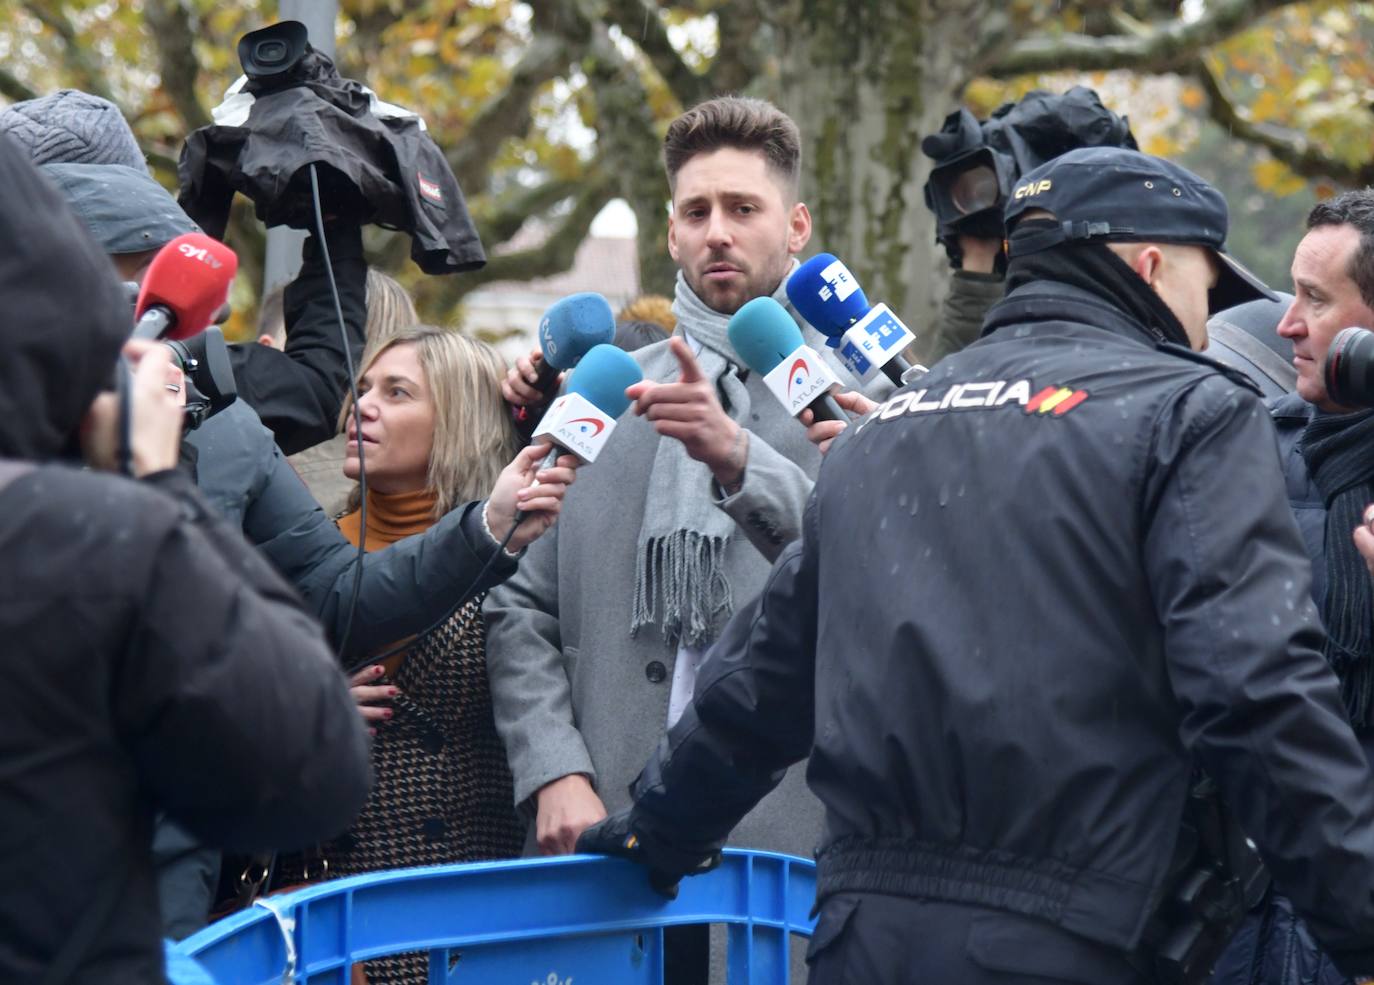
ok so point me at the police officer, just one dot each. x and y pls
(1035, 591)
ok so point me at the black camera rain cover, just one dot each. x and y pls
(1043, 125)
(387, 172)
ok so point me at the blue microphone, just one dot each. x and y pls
(868, 339)
(567, 332)
(827, 295)
(769, 342)
(603, 376)
(581, 420)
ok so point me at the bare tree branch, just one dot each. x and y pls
(169, 22)
(510, 113)
(1288, 146)
(626, 135)
(738, 61)
(12, 88)
(640, 22)
(553, 256)
(1163, 46)
(503, 218)
(83, 63)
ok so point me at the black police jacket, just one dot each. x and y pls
(1031, 589)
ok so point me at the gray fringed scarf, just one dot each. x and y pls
(679, 583)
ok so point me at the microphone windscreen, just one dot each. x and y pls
(572, 326)
(826, 294)
(190, 276)
(763, 334)
(602, 376)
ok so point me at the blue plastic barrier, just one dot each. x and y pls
(581, 920)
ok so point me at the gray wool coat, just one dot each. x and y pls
(572, 690)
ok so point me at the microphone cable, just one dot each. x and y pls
(357, 411)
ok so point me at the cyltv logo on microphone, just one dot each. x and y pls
(578, 425)
(199, 253)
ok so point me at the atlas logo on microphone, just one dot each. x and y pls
(799, 378)
(578, 425)
(589, 423)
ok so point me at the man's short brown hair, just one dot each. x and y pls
(738, 122)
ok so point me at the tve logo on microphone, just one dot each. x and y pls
(574, 422)
(547, 342)
(799, 379)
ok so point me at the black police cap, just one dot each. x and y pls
(1111, 194)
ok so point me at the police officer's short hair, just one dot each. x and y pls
(1352, 208)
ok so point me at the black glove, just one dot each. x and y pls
(624, 835)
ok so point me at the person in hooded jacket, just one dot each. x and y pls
(242, 471)
(153, 661)
(87, 148)
(1007, 655)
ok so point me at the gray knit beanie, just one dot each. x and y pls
(72, 127)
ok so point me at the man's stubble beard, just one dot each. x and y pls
(751, 289)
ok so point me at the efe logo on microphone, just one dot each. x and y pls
(840, 283)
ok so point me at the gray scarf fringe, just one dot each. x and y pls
(682, 576)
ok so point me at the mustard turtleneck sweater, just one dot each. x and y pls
(390, 517)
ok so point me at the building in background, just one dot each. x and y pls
(508, 312)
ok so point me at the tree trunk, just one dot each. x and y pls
(629, 143)
(865, 81)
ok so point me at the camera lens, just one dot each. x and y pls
(270, 52)
(974, 190)
(1349, 368)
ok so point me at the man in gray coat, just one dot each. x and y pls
(593, 645)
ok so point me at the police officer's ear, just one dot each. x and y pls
(1146, 259)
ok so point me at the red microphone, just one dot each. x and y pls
(185, 285)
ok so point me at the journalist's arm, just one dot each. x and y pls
(299, 392)
(406, 587)
(240, 720)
